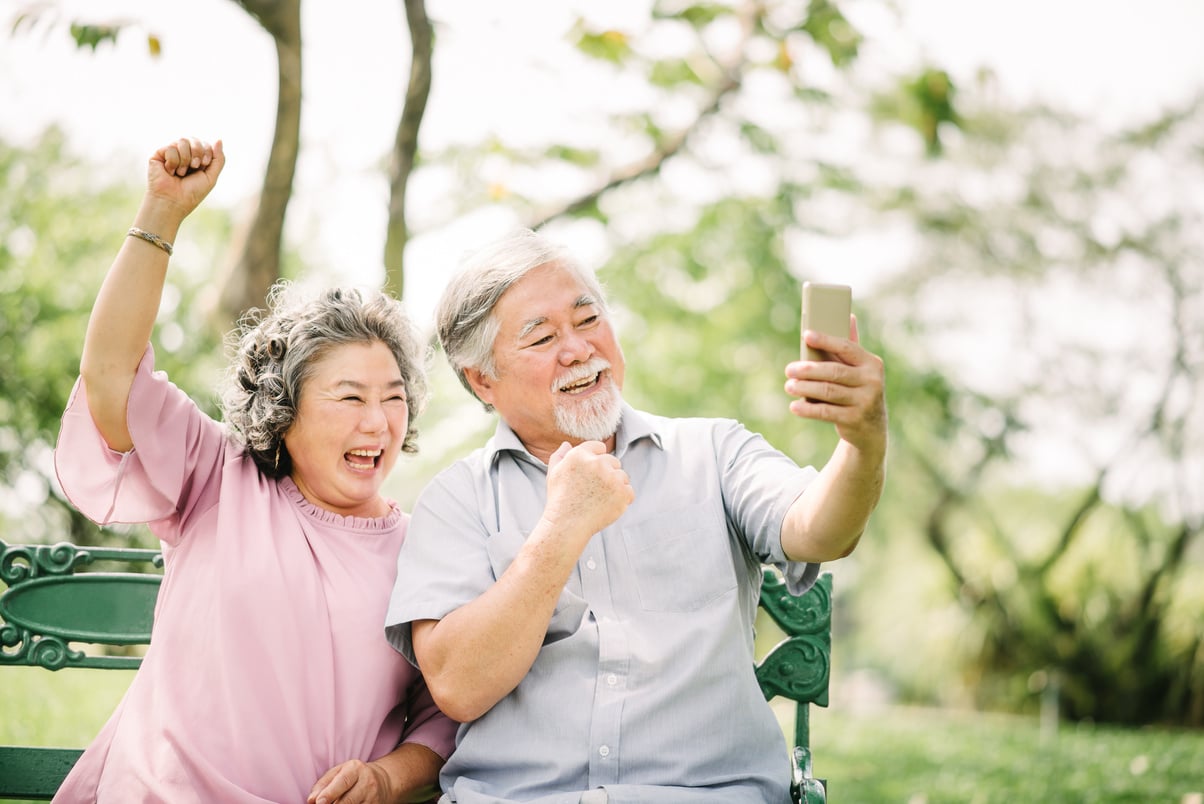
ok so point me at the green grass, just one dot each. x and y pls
(64, 709)
(896, 754)
(923, 756)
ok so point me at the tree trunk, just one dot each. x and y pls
(257, 266)
(405, 143)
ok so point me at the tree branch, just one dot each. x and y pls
(750, 16)
(405, 143)
(648, 166)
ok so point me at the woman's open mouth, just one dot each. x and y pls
(362, 459)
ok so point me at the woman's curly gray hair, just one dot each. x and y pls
(274, 352)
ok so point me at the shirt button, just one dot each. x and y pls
(604, 751)
(612, 679)
(591, 564)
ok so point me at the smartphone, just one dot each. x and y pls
(826, 308)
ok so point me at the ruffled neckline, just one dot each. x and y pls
(377, 524)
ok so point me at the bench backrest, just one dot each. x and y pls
(52, 616)
(49, 609)
(800, 665)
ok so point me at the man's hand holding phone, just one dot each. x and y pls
(837, 380)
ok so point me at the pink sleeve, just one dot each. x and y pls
(174, 465)
(425, 722)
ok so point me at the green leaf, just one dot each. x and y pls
(832, 31)
(698, 15)
(610, 45)
(672, 72)
(93, 35)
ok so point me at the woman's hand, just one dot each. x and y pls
(352, 781)
(179, 175)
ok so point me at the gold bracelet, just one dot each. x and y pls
(150, 238)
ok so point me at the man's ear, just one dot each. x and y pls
(481, 385)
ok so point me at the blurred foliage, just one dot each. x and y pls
(926, 103)
(91, 34)
(1036, 293)
(1057, 292)
(58, 233)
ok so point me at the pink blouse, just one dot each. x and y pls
(268, 664)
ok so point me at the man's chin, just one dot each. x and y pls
(593, 421)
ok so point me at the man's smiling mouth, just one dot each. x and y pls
(578, 386)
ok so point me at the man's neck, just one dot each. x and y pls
(544, 453)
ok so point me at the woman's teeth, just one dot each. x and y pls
(358, 456)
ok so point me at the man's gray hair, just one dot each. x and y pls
(464, 317)
(274, 352)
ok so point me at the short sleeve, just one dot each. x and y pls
(444, 562)
(177, 454)
(759, 485)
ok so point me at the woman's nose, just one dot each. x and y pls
(374, 419)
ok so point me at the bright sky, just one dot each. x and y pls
(216, 78)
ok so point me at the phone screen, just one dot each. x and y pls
(826, 308)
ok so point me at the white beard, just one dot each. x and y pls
(592, 419)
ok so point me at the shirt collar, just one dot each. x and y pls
(633, 426)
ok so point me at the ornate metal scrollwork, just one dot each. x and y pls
(23, 562)
(41, 650)
(33, 628)
(810, 613)
(798, 669)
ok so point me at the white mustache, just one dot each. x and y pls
(596, 365)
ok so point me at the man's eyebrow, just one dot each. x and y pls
(584, 300)
(531, 326)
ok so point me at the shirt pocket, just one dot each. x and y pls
(681, 560)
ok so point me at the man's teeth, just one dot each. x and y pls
(364, 453)
(579, 384)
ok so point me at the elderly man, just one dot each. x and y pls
(579, 593)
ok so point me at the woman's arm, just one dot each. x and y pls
(179, 176)
(409, 774)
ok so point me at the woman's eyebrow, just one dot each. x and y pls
(356, 385)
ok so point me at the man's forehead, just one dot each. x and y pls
(535, 322)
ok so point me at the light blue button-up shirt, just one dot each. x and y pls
(644, 684)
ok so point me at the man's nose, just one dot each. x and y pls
(575, 348)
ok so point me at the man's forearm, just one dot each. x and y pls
(479, 653)
(826, 521)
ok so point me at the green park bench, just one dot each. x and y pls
(48, 610)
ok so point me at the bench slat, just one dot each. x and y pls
(34, 773)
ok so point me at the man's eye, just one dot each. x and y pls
(352, 399)
(587, 321)
(542, 341)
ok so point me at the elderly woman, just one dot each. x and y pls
(268, 677)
